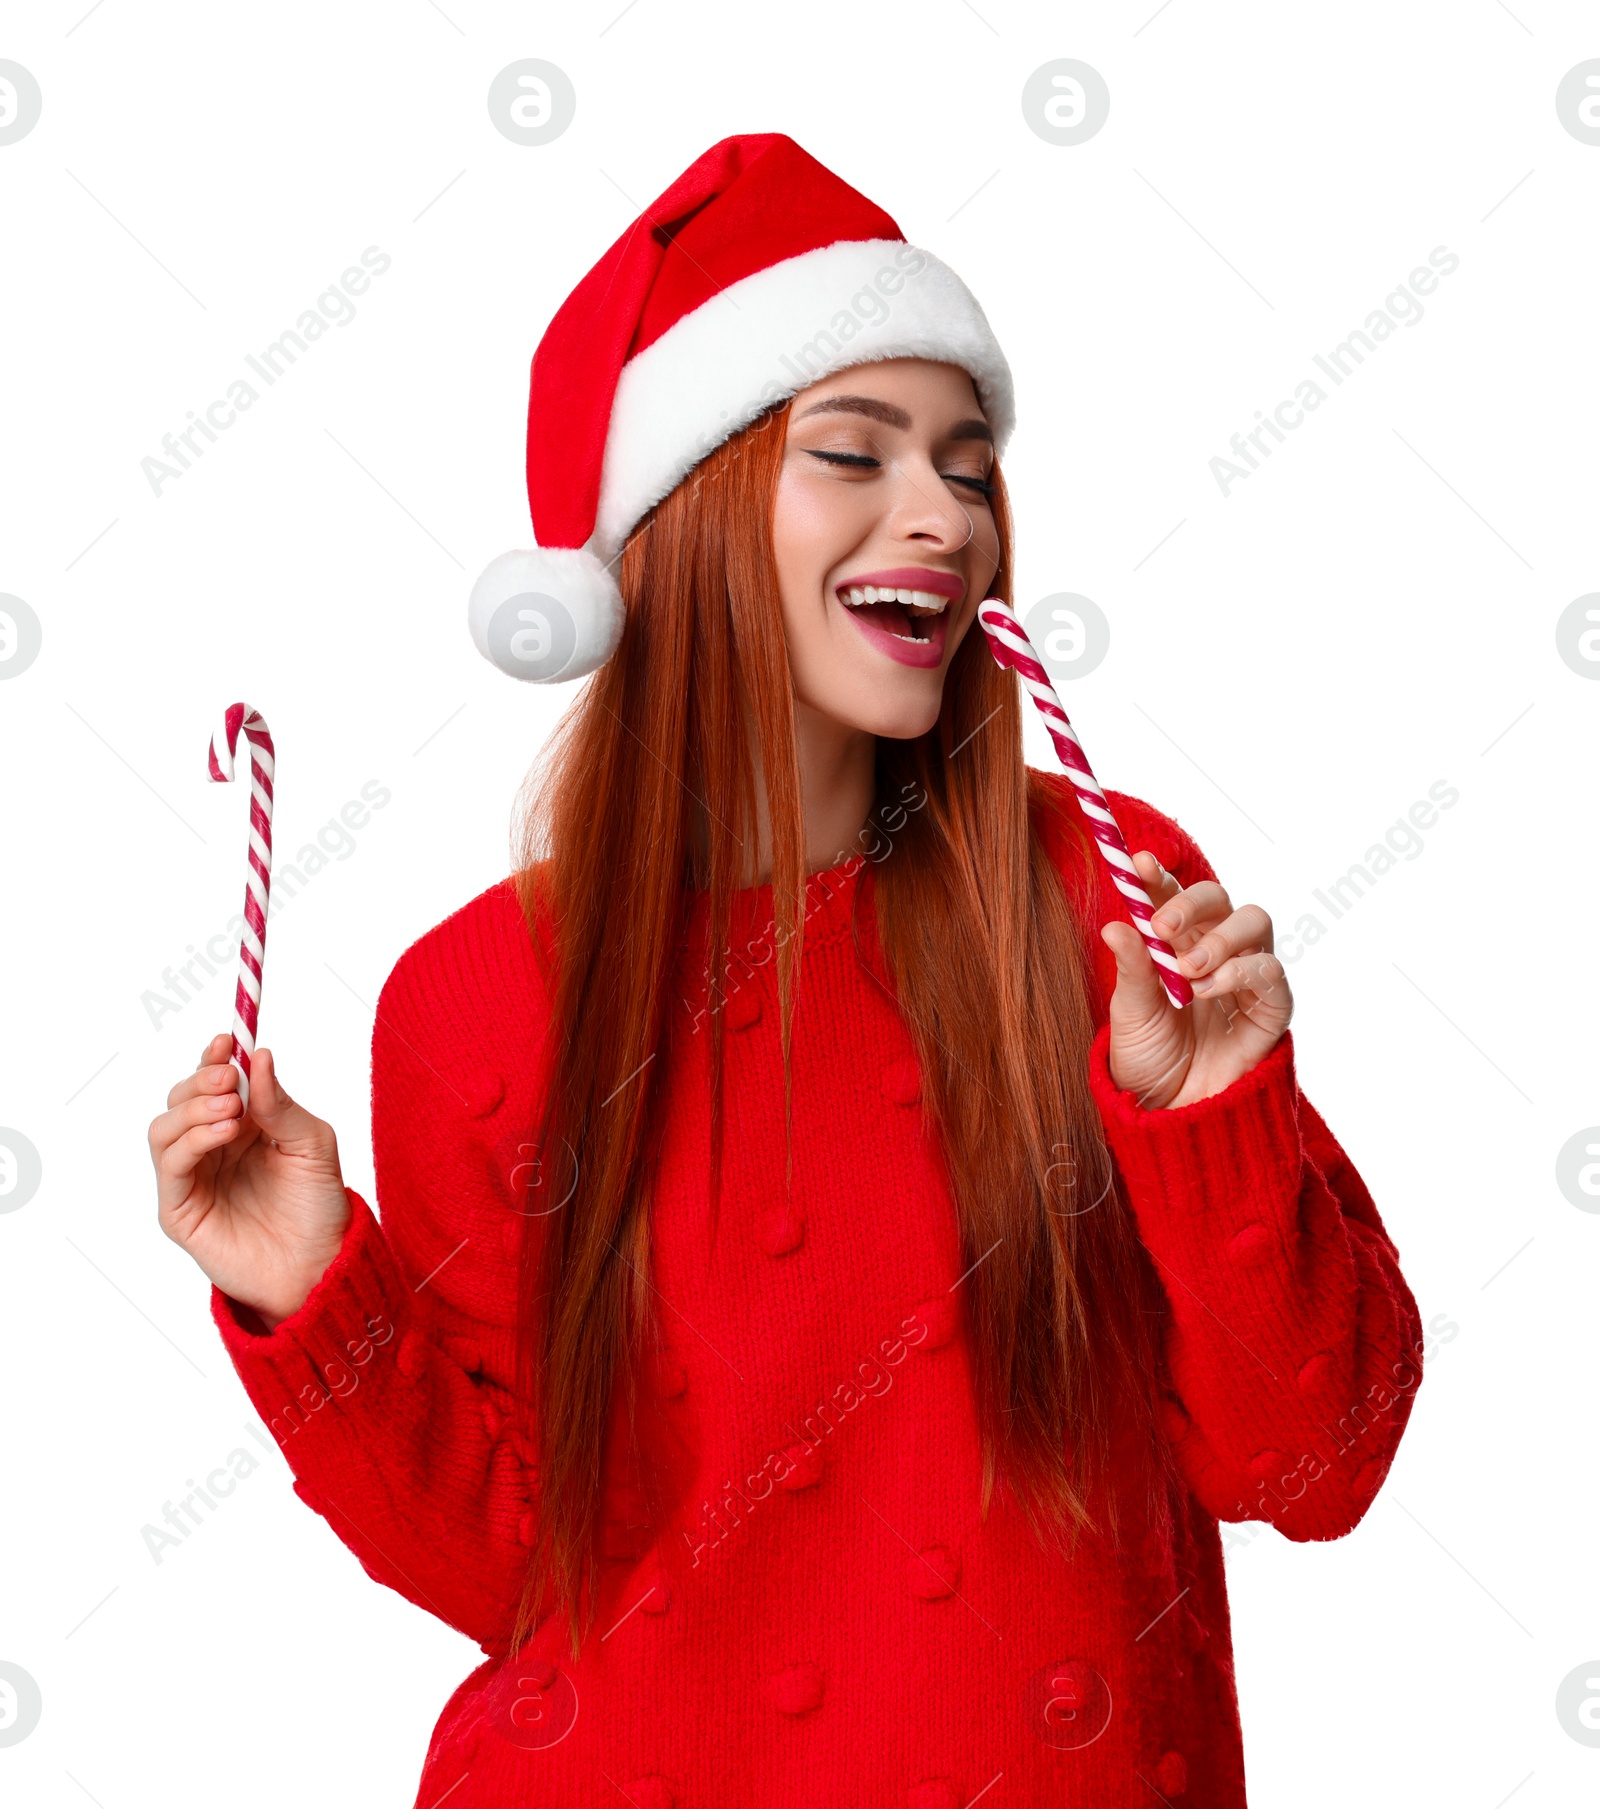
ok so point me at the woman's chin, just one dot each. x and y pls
(907, 725)
(900, 707)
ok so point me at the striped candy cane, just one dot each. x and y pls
(1011, 647)
(258, 880)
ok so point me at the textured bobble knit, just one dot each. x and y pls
(827, 1619)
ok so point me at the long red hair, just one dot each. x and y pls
(648, 793)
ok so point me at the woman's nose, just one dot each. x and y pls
(924, 509)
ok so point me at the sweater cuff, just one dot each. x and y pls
(1237, 1145)
(356, 1306)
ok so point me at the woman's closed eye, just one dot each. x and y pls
(862, 461)
(980, 485)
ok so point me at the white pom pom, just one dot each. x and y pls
(547, 614)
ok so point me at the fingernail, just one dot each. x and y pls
(1165, 924)
(1199, 959)
(1202, 985)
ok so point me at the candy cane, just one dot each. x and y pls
(1011, 647)
(258, 880)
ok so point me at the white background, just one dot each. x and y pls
(1373, 611)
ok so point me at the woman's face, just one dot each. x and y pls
(885, 540)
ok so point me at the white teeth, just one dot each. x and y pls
(930, 602)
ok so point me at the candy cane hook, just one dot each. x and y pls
(1011, 647)
(258, 879)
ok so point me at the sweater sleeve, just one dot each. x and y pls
(388, 1391)
(1294, 1344)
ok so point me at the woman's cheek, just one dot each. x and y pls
(984, 564)
(820, 520)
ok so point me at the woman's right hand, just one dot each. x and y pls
(256, 1198)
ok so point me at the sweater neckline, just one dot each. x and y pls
(829, 908)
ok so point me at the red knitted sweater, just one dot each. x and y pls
(831, 1621)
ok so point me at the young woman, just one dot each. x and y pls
(826, 1298)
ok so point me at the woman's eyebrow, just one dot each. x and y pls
(860, 405)
(973, 429)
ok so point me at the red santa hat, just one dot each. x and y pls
(757, 273)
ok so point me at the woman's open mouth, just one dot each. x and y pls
(905, 621)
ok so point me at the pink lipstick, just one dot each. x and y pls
(903, 611)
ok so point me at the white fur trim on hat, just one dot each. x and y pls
(773, 334)
(547, 614)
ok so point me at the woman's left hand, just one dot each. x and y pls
(1241, 1006)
